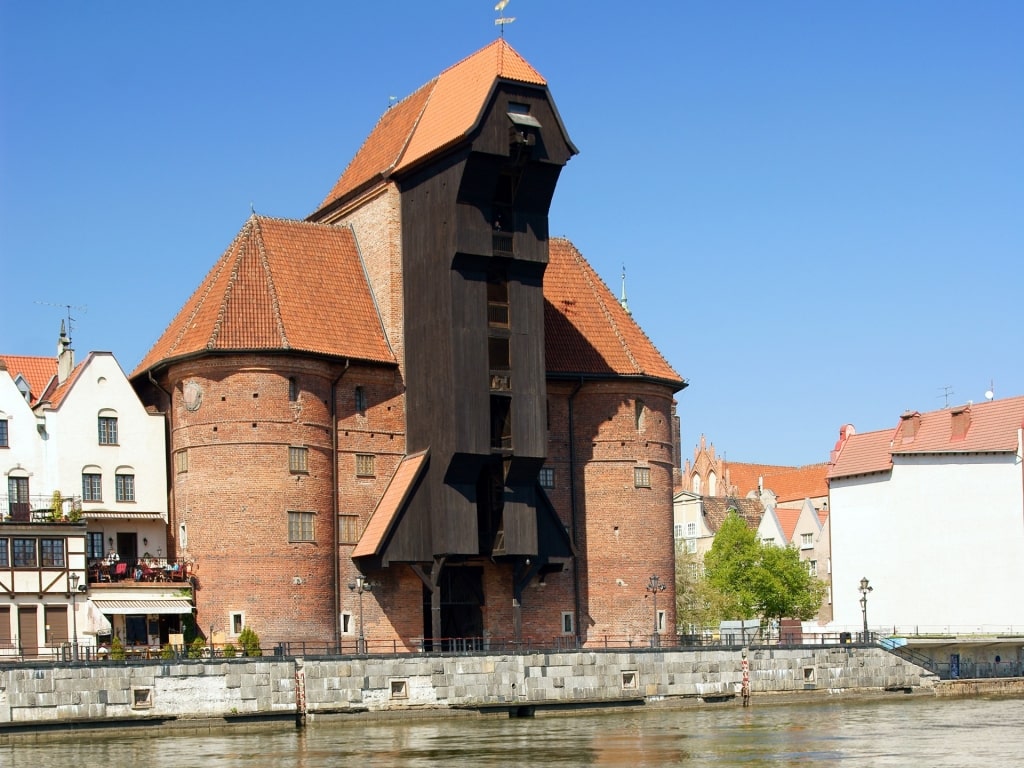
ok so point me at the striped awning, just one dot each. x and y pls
(104, 514)
(143, 606)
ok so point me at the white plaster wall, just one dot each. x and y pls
(25, 444)
(74, 443)
(941, 541)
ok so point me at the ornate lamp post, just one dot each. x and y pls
(359, 586)
(654, 586)
(73, 578)
(864, 589)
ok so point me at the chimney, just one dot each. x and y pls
(910, 422)
(960, 419)
(65, 356)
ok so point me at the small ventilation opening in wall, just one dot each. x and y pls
(399, 689)
(142, 698)
(629, 680)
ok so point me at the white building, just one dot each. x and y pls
(84, 470)
(931, 512)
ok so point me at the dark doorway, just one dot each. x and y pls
(462, 598)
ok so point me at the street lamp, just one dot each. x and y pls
(864, 589)
(359, 586)
(654, 586)
(74, 615)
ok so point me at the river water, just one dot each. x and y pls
(924, 732)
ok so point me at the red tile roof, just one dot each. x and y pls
(55, 393)
(716, 509)
(989, 427)
(787, 521)
(439, 114)
(281, 285)
(743, 477)
(37, 371)
(390, 505)
(864, 453)
(587, 332)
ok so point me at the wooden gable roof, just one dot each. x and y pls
(280, 285)
(436, 116)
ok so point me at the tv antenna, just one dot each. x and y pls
(71, 321)
(946, 392)
(502, 20)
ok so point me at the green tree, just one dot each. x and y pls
(698, 604)
(760, 580)
(250, 642)
(729, 567)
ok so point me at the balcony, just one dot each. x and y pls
(40, 508)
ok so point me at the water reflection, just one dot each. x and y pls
(893, 732)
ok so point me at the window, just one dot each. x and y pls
(52, 553)
(806, 541)
(677, 531)
(547, 477)
(694, 570)
(691, 546)
(300, 526)
(25, 553)
(498, 357)
(108, 430)
(298, 459)
(17, 498)
(94, 545)
(642, 477)
(769, 540)
(638, 414)
(125, 487)
(497, 301)
(364, 464)
(5, 553)
(237, 623)
(567, 623)
(695, 484)
(812, 567)
(691, 529)
(181, 461)
(293, 389)
(661, 621)
(3, 433)
(92, 487)
(712, 484)
(348, 526)
(360, 397)
(346, 623)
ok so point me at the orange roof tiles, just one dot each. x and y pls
(37, 371)
(744, 477)
(55, 393)
(440, 113)
(391, 503)
(787, 521)
(587, 332)
(281, 285)
(978, 427)
(864, 453)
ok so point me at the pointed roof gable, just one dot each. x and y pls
(587, 332)
(280, 285)
(57, 391)
(437, 115)
(36, 371)
(391, 504)
(716, 509)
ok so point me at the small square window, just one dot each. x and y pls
(365, 464)
(547, 477)
(300, 526)
(298, 460)
(108, 430)
(642, 477)
(691, 529)
(25, 553)
(348, 529)
(52, 553)
(806, 541)
(691, 546)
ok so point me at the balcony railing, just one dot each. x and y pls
(39, 508)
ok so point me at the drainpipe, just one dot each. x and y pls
(574, 523)
(334, 504)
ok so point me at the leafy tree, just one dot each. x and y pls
(698, 604)
(117, 652)
(760, 580)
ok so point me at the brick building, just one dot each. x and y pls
(417, 389)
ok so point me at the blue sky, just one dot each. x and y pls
(819, 205)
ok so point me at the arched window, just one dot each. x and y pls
(695, 483)
(712, 484)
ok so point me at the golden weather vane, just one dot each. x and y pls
(501, 21)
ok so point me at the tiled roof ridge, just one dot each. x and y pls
(55, 393)
(271, 286)
(501, 46)
(590, 276)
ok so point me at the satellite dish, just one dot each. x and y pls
(989, 394)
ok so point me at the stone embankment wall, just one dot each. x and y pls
(160, 691)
